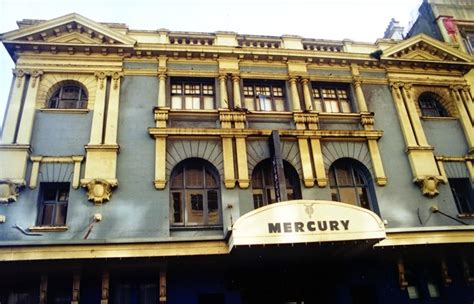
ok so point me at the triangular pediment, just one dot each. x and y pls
(425, 48)
(72, 28)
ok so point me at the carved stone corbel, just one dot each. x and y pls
(9, 190)
(99, 190)
(428, 185)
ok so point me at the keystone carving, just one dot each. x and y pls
(99, 190)
(9, 190)
(428, 185)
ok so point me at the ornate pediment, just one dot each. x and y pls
(425, 48)
(69, 29)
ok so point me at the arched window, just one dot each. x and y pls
(195, 195)
(68, 96)
(430, 105)
(263, 185)
(351, 183)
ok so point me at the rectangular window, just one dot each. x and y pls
(463, 194)
(192, 94)
(331, 98)
(53, 203)
(264, 96)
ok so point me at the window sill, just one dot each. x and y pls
(194, 228)
(65, 111)
(438, 118)
(48, 228)
(466, 215)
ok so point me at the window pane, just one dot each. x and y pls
(48, 214)
(257, 179)
(63, 195)
(279, 104)
(188, 102)
(277, 91)
(332, 178)
(343, 175)
(212, 207)
(194, 207)
(249, 104)
(318, 106)
(176, 102)
(248, 91)
(345, 107)
(363, 198)
(61, 215)
(176, 89)
(258, 199)
(177, 180)
(348, 196)
(334, 195)
(207, 89)
(208, 102)
(265, 103)
(194, 177)
(177, 208)
(70, 93)
(210, 180)
(271, 197)
(49, 194)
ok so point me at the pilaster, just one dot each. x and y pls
(28, 116)
(420, 155)
(306, 163)
(466, 121)
(228, 155)
(12, 115)
(318, 160)
(99, 109)
(111, 128)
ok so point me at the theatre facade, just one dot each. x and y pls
(183, 167)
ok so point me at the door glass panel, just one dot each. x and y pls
(194, 177)
(347, 195)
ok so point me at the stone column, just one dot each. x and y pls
(162, 90)
(466, 97)
(307, 94)
(361, 104)
(236, 91)
(224, 102)
(295, 99)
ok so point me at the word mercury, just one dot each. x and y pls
(308, 226)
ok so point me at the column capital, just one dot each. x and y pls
(100, 76)
(222, 77)
(162, 75)
(35, 76)
(235, 77)
(357, 81)
(396, 84)
(466, 88)
(305, 81)
(115, 78)
(456, 87)
(293, 79)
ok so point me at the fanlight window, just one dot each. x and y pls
(430, 105)
(195, 194)
(68, 97)
(350, 182)
(263, 184)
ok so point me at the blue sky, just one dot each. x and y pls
(358, 20)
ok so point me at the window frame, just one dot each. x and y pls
(431, 107)
(260, 99)
(56, 204)
(354, 166)
(320, 86)
(201, 82)
(267, 190)
(56, 99)
(185, 191)
(468, 197)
